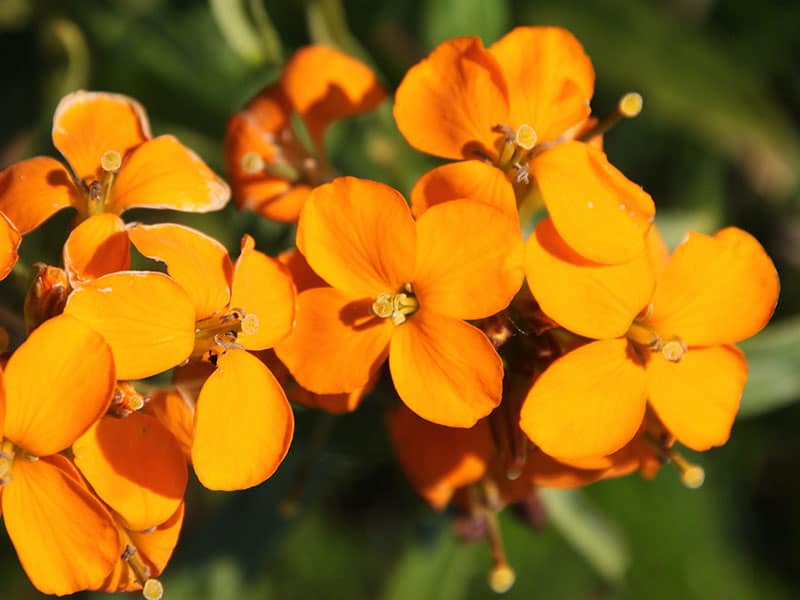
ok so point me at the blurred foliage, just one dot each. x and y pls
(717, 144)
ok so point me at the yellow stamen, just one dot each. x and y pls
(692, 475)
(629, 106)
(252, 163)
(152, 589)
(674, 349)
(526, 137)
(397, 307)
(111, 161)
(250, 324)
(501, 578)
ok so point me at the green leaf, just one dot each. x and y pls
(242, 36)
(445, 19)
(589, 531)
(773, 357)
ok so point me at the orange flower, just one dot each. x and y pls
(271, 170)
(56, 384)
(666, 335)
(115, 165)
(9, 243)
(520, 105)
(403, 288)
(208, 309)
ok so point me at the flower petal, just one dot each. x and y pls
(590, 402)
(199, 263)
(336, 345)
(262, 287)
(63, 535)
(438, 460)
(176, 413)
(86, 125)
(303, 275)
(10, 240)
(470, 179)
(163, 173)
(359, 236)
(243, 424)
(146, 318)
(715, 289)
(136, 467)
(58, 382)
(325, 85)
(469, 259)
(33, 190)
(698, 397)
(601, 214)
(96, 247)
(593, 300)
(449, 103)
(550, 79)
(445, 370)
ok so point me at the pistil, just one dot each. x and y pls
(100, 190)
(628, 107)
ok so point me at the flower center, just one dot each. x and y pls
(516, 150)
(9, 452)
(397, 307)
(214, 335)
(672, 348)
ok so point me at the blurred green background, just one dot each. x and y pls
(718, 143)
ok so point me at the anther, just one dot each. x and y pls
(249, 324)
(152, 589)
(7, 452)
(674, 349)
(526, 137)
(501, 578)
(252, 163)
(644, 336)
(629, 106)
(397, 307)
(111, 161)
(692, 475)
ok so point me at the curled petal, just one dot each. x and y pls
(438, 460)
(550, 79)
(243, 424)
(263, 288)
(96, 247)
(359, 236)
(146, 318)
(86, 125)
(600, 213)
(9, 243)
(199, 263)
(64, 537)
(715, 289)
(469, 259)
(468, 179)
(337, 345)
(136, 466)
(324, 84)
(698, 397)
(57, 383)
(593, 300)
(588, 403)
(163, 173)
(449, 103)
(444, 369)
(33, 190)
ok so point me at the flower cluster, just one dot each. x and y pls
(522, 355)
